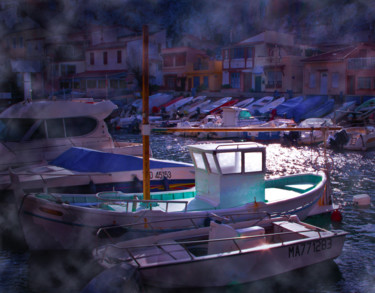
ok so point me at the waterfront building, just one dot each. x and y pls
(267, 62)
(349, 70)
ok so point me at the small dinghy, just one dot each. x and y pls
(224, 254)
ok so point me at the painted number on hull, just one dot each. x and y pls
(161, 174)
(309, 247)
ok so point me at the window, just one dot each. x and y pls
(14, 129)
(205, 81)
(253, 162)
(211, 163)
(92, 60)
(21, 42)
(78, 126)
(235, 80)
(237, 53)
(101, 83)
(226, 56)
(67, 69)
(14, 43)
(196, 81)
(180, 59)
(364, 83)
(91, 83)
(105, 58)
(199, 162)
(122, 84)
(55, 128)
(76, 84)
(113, 83)
(335, 80)
(119, 56)
(230, 162)
(274, 79)
(312, 80)
(168, 61)
(249, 52)
(39, 133)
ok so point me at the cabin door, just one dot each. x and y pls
(351, 83)
(324, 83)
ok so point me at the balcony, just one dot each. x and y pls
(361, 63)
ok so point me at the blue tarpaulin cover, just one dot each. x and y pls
(87, 160)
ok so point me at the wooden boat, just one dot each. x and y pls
(309, 104)
(32, 132)
(224, 254)
(229, 179)
(80, 170)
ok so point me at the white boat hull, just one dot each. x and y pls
(51, 225)
(235, 268)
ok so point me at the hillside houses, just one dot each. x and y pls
(105, 61)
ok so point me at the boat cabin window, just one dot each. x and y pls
(244, 115)
(14, 129)
(230, 162)
(211, 163)
(253, 162)
(199, 161)
(78, 126)
(55, 128)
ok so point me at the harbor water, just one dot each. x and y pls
(354, 271)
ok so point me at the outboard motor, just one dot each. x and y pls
(292, 137)
(338, 140)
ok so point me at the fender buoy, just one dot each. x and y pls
(336, 216)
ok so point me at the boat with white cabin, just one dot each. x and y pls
(36, 131)
(229, 181)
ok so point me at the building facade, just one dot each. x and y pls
(267, 62)
(346, 71)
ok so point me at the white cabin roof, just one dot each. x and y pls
(224, 147)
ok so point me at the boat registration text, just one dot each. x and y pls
(309, 247)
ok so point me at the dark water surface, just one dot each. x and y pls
(353, 271)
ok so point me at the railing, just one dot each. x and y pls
(184, 244)
(144, 203)
(191, 222)
(361, 63)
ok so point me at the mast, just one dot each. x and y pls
(145, 113)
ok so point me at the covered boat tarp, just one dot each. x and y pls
(286, 109)
(87, 160)
(320, 111)
(308, 105)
